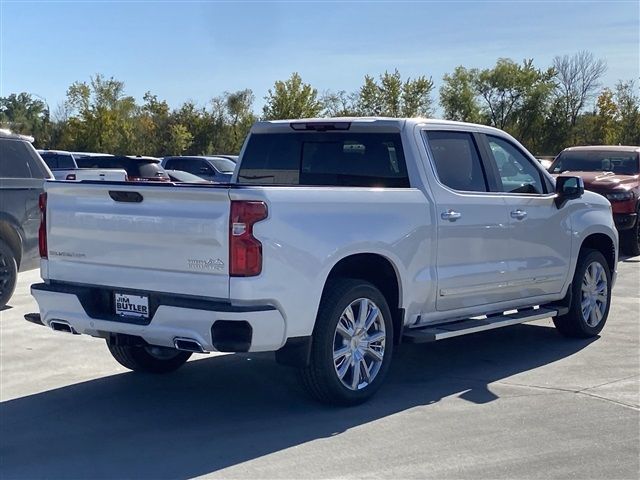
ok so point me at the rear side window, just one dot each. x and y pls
(58, 161)
(195, 166)
(14, 159)
(457, 161)
(325, 158)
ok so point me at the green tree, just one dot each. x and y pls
(292, 98)
(628, 106)
(151, 126)
(197, 121)
(605, 122)
(339, 104)
(458, 96)
(231, 118)
(391, 97)
(239, 109)
(179, 139)
(24, 114)
(104, 115)
(509, 89)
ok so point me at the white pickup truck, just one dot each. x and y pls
(336, 240)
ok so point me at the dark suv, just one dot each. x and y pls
(22, 176)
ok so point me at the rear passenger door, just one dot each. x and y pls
(540, 234)
(472, 258)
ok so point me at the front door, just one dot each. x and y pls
(473, 224)
(540, 233)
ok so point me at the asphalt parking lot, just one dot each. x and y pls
(521, 402)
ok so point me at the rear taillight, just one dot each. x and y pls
(245, 251)
(42, 231)
(71, 176)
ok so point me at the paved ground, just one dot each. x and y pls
(516, 403)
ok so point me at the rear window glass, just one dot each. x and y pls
(622, 163)
(325, 158)
(14, 159)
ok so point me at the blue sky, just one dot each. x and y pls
(197, 50)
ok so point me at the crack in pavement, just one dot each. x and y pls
(582, 391)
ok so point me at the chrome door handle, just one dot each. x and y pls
(518, 214)
(450, 215)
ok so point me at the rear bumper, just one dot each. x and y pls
(625, 221)
(217, 325)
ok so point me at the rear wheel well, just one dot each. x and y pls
(603, 244)
(379, 271)
(9, 235)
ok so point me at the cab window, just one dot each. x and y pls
(457, 161)
(516, 172)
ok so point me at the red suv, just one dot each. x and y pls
(614, 172)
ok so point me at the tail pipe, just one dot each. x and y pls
(188, 345)
(62, 326)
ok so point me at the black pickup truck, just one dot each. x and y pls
(22, 175)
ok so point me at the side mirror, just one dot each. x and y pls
(568, 188)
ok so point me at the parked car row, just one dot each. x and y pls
(99, 166)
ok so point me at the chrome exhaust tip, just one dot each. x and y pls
(62, 326)
(188, 345)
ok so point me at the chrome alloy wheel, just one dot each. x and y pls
(594, 294)
(358, 344)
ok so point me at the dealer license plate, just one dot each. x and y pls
(131, 305)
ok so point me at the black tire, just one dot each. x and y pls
(142, 359)
(8, 273)
(320, 377)
(573, 324)
(630, 239)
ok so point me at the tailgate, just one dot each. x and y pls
(160, 238)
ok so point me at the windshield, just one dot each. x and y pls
(624, 163)
(223, 165)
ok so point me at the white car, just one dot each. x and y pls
(336, 240)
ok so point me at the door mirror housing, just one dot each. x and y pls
(568, 188)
